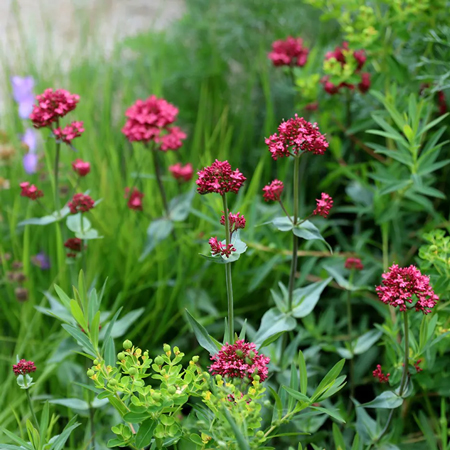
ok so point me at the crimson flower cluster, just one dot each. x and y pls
(74, 244)
(151, 120)
(52, 105)
(240, 360)
(70, 132)
(219, 178)
(401, 284)
(182, 173)
(30, 191)
(24, 367)
(81, 203)
(236, 221)
(273, 191)
(134, 198)
(360, 58)
(324, 205)
(296, 136)
(289, 52)
(82, 168)
(217, 248)
(378, 373)
(353, 263)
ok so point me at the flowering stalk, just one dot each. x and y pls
(295, 238)
(56, 171)
(159, 180)
(350, 334)
(30, 403)
(228, 278)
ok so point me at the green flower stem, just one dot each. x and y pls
(285, 210)
(159, 180)
(56, 173)
(404, 375)
(30, 403)
(350, 337)
(228, 278)
(295, 238)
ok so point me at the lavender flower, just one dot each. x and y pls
(23, 94)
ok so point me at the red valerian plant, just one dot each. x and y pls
(70, 132)
(295, 137)
(378, 373)
(81, 203)
(273, 191)
(289, 52)
(182, 173)
(353, 264)
(74, 244)
(52, 105)
(324, 205)
(236, 221)
(240, 360)
(217, 248)
(401, 285)
(219, 178)
(24, 367)
(30, 191)
(82, 168)
(134, 198)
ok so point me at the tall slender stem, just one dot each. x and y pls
(350, 336)
(56, 173)
(159, 180)
(31, 407)
(228, 278)
(295, 238)
(404, 374)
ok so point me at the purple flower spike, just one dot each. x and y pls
(41, 260)
(30, 163)
(22, 88)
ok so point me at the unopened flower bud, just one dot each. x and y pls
(195, 358)
(260, 434)
(138, 352)
(239, 353)
(90, 373)
(256, 378)
(251, 354)
(166, 348)
(176, 350)
(95, 362)
(433, 248)
(127, 344)
(112, 382)
(121, 356)
(171, 390)
(159, 361)
(156, 396)
(132, 371)
(146, 354)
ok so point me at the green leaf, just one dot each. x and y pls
(145, 433)
(157, 231)
(202, 335)
(63, 296)
(196, 439)
(110, 352)
(339, 442)
(78, 314)
(297, 395)
(273, 323)
(328, 380)
(386, 400)
(278, 404)
(73, 403)
(81, 338)
(303, 373)
(332, 413)
(73, 223)
(240, 439)
(366, 341)
(293, 384)
(60, 442)
(305, 299)
(121, 326)
(366, 427)
(180, 206)
(94, 329)
(308, 231)
(283, 223)
(137, 417)
(15, 438)
(45, 418)
(109, 328)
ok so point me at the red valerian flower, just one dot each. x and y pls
(353, 263)
(378, 373)
(74, 244)
(146, 119)
(217, 248)
(401, 284)
(236, 221)
(70, 132)
(364, 85)
(289, 52)
(81, 167)
(240, 360)
(134, 198)
(273, 191)
(24, 367)
(219, 178)
(81, 203)
(51, 106)
(441, 102)
(30, 191)
(172, 140)
(416, 366)
(324, 204)
(182, 173)
(296, 136)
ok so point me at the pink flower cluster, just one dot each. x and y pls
(134, 198)
(52, 105)
(236, 221)
(182, 173)
(324, 205)
(23, 367)
(401, 284)
(219, 178)
(217, 248)
(378, 373)
(289, 52)
(82, 168)
(296, 136)
(150, 120)
(69, 133)
(360, 58)
(74, 244)
(30, 191)
(273, 191)
(353, 263)
(240, 360)
(81, 203)
(416, 366)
